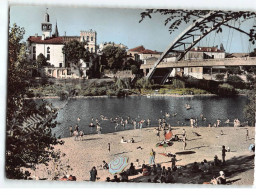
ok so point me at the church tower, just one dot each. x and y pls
(46, 26)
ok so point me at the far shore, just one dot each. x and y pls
(146, 95)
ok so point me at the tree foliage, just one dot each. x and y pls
(115, 57)
(250, 108)
(28, 142)
(176, 18)
(74, 51)
(41, 61)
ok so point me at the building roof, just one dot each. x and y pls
(52, 40)
(148, 51)
(137, 49)
(237, 55)
(206, 49)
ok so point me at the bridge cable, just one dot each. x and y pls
(231, 38)
(241, 36)
(228, 40)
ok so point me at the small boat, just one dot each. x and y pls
(148, 96)
(167, 115)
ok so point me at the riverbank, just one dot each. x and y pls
(146, 95)
(83, 155)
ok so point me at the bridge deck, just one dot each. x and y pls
(245, 61)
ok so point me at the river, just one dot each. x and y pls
(141, 107)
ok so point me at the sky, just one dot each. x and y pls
(119, 26)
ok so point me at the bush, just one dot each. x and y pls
(226, 90)
(220, 77)
(236, 81)
(178, 83)
(143, 83)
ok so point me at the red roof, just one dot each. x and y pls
(148, 51)
(206, 49)
(137, 49)
(52, 40)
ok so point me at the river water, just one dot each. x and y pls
(141, 107)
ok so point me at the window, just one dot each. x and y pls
(68, 72)
(68, 65)
(34, 49)
(49, 72)
(60, 65)
(34, 56)
(91, 38)
(91, 50)
(48, 53)
(87, 38)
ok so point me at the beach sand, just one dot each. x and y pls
(83, 155)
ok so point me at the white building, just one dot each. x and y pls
(50, 45)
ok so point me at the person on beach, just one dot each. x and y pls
(76, 135)
(173, 160)
(148, 122)
(81, 134)
(218, 122)
(184, 133)
(223, 154)
(71, 131)
(123, 141)
(134, 124)
(219, 180)
(184, 143)
(192, 123)
(93, 174)
(152, 157)
(105, 165)
(247, 134)
(109, 148)
(76, 128)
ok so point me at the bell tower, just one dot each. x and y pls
(46, 26)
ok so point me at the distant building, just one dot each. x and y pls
(105, 44)
(50, 45)
(197, 53)
(140, 53)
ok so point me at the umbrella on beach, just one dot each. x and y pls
(164, 144)
(118, 164)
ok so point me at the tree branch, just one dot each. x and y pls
(238, 29)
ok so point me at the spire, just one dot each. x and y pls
(46, 16)
(56, 33)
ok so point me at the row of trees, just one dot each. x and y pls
(27, 143)
(112, 58)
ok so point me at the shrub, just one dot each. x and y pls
(178, 83)
(226, 90)
(220, 77)
(236, 81)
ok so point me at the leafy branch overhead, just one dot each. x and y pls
(176, 18)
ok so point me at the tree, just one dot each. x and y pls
(250, 108)
(74, 51)
(134, 69)
(27, 143)
(41, 61)
(176, 18)
(115, 57)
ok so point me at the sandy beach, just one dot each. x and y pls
(83, 155)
